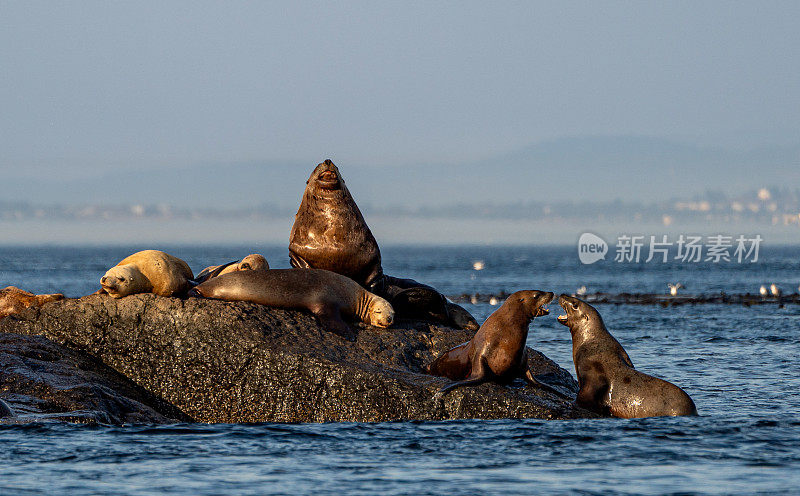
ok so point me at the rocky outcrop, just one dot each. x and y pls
(241, 362)
(41, 380)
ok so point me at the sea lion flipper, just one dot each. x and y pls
(627, 359)
(331, 319)
(473, 381)
(210, 272)
(530, 379)
(298, 262)
(477, 376)
(594, 389)
(460, 317)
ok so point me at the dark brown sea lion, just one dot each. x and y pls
(14, 300)
(497, 352)
(609, 384)
(326, 294)
(330, 233)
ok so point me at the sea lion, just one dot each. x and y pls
(326, 294)
(5, 410)
(609, 384)
(148, 271)
(253, 261)
(330, 233)
(497, 351)
(14, 300)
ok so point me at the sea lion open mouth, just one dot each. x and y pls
(563, 302)
(543, 310)
(328, 179)
(108, 285)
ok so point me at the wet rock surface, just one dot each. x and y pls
(41, 380)
(241, 362)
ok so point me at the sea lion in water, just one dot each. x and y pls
(148, 271)
(5, 410)
(14, 300)
(326, 294)
(608, 382)
(497, 352)
(253, 261)
(330, 233)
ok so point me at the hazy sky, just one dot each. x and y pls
(87, 85)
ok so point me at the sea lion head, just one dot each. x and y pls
(253, 262)
(326, 180)
(534, 302)
(123, 280)
(381, 313)
(579, 314)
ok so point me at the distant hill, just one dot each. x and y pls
(572, 169)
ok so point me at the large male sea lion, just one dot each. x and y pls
(326, 294)
(608, 382)
(330, 233)
(497, 352)
(254, 261)
(14, 300)
(148, 271)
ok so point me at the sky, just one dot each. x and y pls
(90, 86)
(453, 102)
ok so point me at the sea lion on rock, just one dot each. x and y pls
(330, 233)
(326, 294)
(497, 352)
(148, 271)
(608, 382)
(14, 300)
(253, 261)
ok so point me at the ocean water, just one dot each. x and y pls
(739, 364)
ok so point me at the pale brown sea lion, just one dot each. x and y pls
(609, 384)
(253, 261)
(326, 294)
(148, 271)
(14, 300)
(330, 233)
(497, 352)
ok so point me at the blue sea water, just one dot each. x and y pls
(739, 364)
